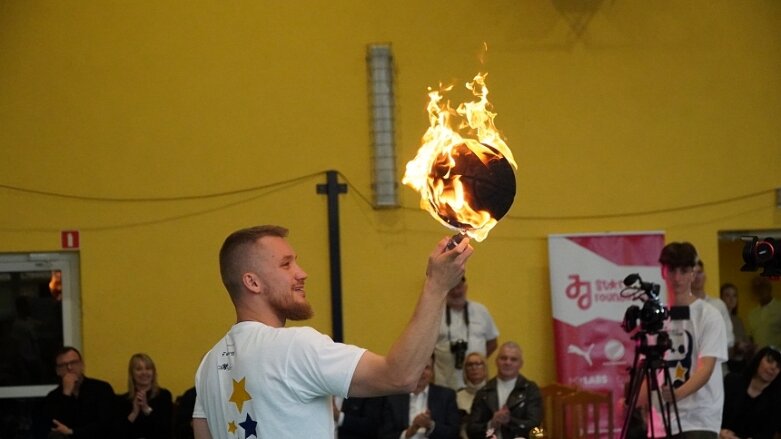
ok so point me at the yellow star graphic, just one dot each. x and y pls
(680, 372)
(232, 427)
(240, 395)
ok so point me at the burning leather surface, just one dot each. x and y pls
(464, 169)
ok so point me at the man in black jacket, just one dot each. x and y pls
(509, 403)
(429, 411)
(358, 418)
(80, 407)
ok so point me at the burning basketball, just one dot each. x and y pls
(466, 182)
(474, 174)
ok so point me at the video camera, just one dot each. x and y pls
(652, 315)
(764, 253)
(649, 364)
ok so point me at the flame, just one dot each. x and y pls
(451, 136)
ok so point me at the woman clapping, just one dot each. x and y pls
(146, 407)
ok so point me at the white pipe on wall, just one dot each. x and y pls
(379, 60)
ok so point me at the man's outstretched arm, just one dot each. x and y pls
(398, 372)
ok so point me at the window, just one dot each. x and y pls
(40, 311)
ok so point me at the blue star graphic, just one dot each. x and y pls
(249, 427)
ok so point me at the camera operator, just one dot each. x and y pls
(466, 326)
(699, 345)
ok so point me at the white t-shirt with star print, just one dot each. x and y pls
(702, 335)
(273, 382)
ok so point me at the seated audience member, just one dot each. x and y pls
(752, 399)
(80, 407)
(764, 320)
(183, 420)
(740, 352)
(146, 408)
(475, 375)
(357, 418)
(429, 411)
(509, 403)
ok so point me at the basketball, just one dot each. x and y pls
(489, 183)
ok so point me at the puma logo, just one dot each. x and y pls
(572, 349)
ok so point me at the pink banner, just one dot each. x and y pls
(587, 273)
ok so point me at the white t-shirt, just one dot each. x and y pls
(273, 382)
(481, 329)
(703, 335)
(417, 405)
(504, 389)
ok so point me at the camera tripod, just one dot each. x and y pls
(646, 369)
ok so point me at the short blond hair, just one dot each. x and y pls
(131, 384)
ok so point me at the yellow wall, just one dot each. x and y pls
(622, 115)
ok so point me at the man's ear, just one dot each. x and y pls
(252, 282)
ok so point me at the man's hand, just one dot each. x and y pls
(422, 420)
(727, 434)
(501, 417)
(446, 267)
(70, 382)
(61, 428)
(667, 394)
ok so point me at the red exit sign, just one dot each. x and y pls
(69, 239)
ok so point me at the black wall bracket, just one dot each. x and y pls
(332, 188)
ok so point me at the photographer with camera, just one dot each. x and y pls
(466, 326)
(698, 346)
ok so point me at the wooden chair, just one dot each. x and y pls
(582, 413)
(551, 395)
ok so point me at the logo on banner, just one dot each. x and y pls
(580, 291)
(607, 290)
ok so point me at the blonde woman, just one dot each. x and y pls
(475, 376)
(146, 407)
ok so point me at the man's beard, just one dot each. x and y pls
(287, 308)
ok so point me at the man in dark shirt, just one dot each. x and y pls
(80, 407)
(358, 418)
